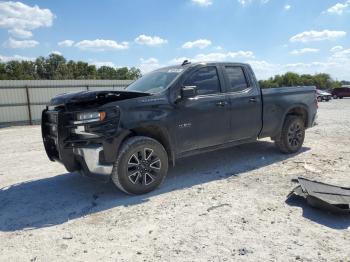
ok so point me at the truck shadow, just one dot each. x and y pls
(56, 200)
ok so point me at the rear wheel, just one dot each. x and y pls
(335, 96)
(141, 166)
(292, 135)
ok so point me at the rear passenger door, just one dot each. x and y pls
(244, 103)
(203, 120)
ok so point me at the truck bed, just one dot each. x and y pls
(277, 102)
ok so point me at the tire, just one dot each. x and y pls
(335, 96)
(292, 135)
(340, 97)
(319, 99)
(141, 166)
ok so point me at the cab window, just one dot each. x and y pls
(205, 79)
(236, 78)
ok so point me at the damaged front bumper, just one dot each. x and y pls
(88, 147)
(91, 157)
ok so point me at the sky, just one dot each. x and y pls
(274, 36)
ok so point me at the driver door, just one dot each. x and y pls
(203, 120)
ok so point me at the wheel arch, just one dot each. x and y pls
(298, 110)
(295, 110)
(158, 133)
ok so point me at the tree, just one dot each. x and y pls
(134, 73)
(56, 67)
(107, 72)
(321, 81)
(3, 75)
(122, 73)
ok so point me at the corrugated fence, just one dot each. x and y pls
(21, 101)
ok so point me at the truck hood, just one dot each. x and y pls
(93, 97)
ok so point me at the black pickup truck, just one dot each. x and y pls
(131, 136)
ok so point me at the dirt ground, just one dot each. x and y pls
(221, 206)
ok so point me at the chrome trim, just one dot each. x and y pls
(86, 121)
(91, 156)
(80, 130)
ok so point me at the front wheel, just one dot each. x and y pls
(141, 166)
(292, 135)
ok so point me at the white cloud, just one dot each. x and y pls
(16, 58)
(203, 2)
(178, 60)
(304, 51)
(341, 55)
(98, 64)
(336, 48)
(150, 40)
(219, 56)
(223, 56)
(200, 43)
(313, 35)
(20, 33)
(337, 65)
(13, 43)
(101, 45)
(20, 19)
(287, 7)
(264, 69)
(55, 52)
(245, 2)
(338, 8)
(150, 64)
(66, 43)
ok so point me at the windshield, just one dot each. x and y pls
(156, 81)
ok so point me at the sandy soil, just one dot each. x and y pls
(221, 206)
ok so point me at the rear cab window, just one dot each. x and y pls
(236, 78)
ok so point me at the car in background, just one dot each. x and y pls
(323, 95)
(341, 92)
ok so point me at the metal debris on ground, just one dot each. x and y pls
(332, 198)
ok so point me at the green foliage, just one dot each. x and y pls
(321, 81)
(56, 67)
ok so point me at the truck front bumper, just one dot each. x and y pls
(93, 155)
(91, 161)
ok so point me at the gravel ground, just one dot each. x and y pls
(221, 206)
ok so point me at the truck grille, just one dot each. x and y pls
(49, 127)
(57, 126)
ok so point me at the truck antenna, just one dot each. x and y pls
(186, 62)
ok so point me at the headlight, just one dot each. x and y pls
(87, 117)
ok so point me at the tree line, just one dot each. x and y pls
(321, 81)
(56, 67)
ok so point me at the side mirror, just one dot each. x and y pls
(188, 91)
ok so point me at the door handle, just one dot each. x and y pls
(221, 103)
(253, 100)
